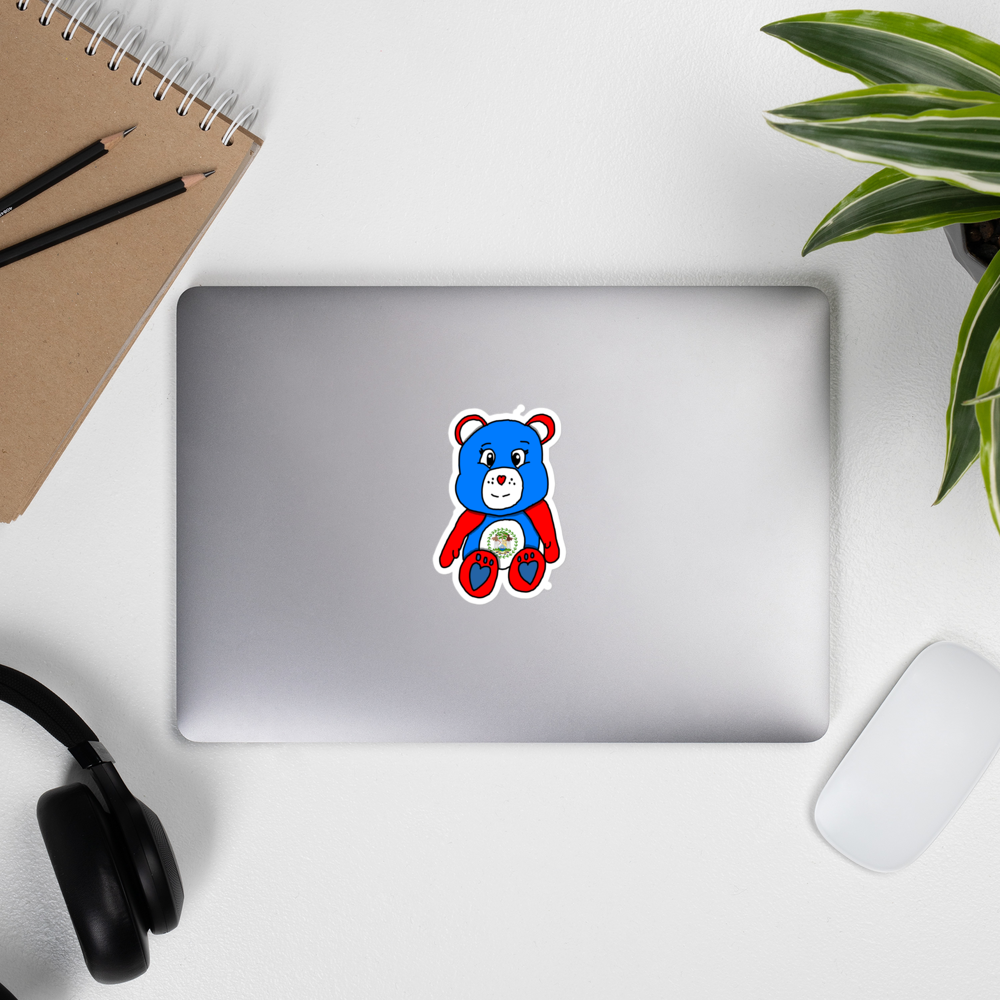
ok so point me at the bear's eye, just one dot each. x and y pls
(517, 457)
(487, 458)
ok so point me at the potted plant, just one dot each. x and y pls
(929, 114)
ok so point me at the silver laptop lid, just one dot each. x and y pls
(503, 514)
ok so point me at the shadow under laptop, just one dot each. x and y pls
(40, 955)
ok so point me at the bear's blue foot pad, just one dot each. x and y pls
(479, 572)
(527, 570)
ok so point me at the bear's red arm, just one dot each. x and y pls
(468, 520)
(541, 518)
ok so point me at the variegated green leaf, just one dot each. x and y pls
(992, 394)
(978, 332)
(893, 202)
(884, 47)
(988, 415)
(890, 99)
(958, 147)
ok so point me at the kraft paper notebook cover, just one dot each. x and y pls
(69, 314)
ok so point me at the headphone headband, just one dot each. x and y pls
(47, 709)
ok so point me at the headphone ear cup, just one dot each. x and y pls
(166, 912)
(89, 867)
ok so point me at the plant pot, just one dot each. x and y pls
(956, 237)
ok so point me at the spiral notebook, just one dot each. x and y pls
(69, 314)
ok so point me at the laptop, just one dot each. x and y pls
(503, 514)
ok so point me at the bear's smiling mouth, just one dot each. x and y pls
(497, 480)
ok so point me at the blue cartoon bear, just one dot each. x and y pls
(504, 524)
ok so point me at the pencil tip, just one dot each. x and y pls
(109, 142)
(191, 179)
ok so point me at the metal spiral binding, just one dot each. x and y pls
(203, 83)
(154, 53)
(243, 118)
(133, 36)
(82, 10)
(176, 73)
(219, 106)
(108, 24)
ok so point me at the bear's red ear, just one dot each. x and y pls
(468, 426)
(543, 425)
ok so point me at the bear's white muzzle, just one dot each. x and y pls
(502, 488)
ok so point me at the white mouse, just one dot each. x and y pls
(916, 761)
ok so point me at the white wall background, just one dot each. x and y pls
(519, 142)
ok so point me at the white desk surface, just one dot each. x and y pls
(593, 141)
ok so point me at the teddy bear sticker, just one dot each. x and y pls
(505, 526)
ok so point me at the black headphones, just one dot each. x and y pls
(113, 861)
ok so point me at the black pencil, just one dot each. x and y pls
(60, 171)
(99, 218)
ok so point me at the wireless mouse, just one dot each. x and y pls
(915, 762)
